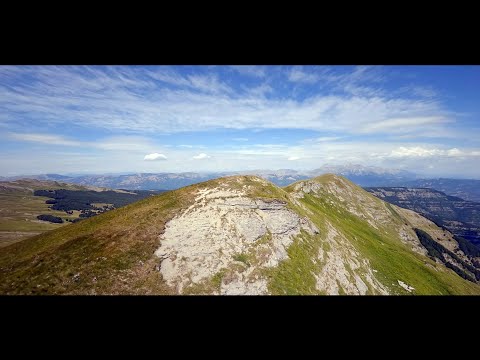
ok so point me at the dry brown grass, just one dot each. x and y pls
(111, 253)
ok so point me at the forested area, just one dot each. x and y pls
(84, 201)
(436, 250)
(50, 218)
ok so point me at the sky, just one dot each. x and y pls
(129, 119)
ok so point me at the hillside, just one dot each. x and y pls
(19, 208)
(24, 202)
(244, 235)
(459, 216)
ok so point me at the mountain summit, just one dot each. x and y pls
(244, 235)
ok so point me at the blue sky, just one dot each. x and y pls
(108, 119)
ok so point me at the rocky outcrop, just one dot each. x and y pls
(344, 268)
(220, 227)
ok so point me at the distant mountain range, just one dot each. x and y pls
(466, 189)
(361, 175)
(459, 216)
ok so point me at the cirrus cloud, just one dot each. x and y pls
(45, 139)
(106, 118)
(163, 100)
(297, 74)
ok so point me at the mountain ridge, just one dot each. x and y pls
(367, 176)
(243, 235)
(363, 175)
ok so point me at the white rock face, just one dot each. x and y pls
(244, 284)
(343, 265)
(306, 187)
(405, 286)
(204, 239)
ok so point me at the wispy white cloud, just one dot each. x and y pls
(118, 100)
(364, 73)
(255, 71)
(260, 156)
(297, 74)
(397, 125)
(154, 157)
(201, 156)
(169, 76)
(358, 90)
(260, 91)
(385, 154)
(361, 81)
(327, 138)
(45, 139)
(418, 151)
(279, 150)
(424, 91)
(144, 103)
(209, 84)
(418, 91)
(115, 143)
(456, 152)
(124, 143)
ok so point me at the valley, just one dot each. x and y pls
(459, 216)
(22, 203)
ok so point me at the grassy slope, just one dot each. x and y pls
(387, 254)
(112, 253)
(19, 209)
(295, 276)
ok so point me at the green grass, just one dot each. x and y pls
(389, 256)
(265, 239)
(295, 275)
(243, 257)
(19, 212)
(208, 286)
(19, 208)
(217, 279)
(113, 252)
